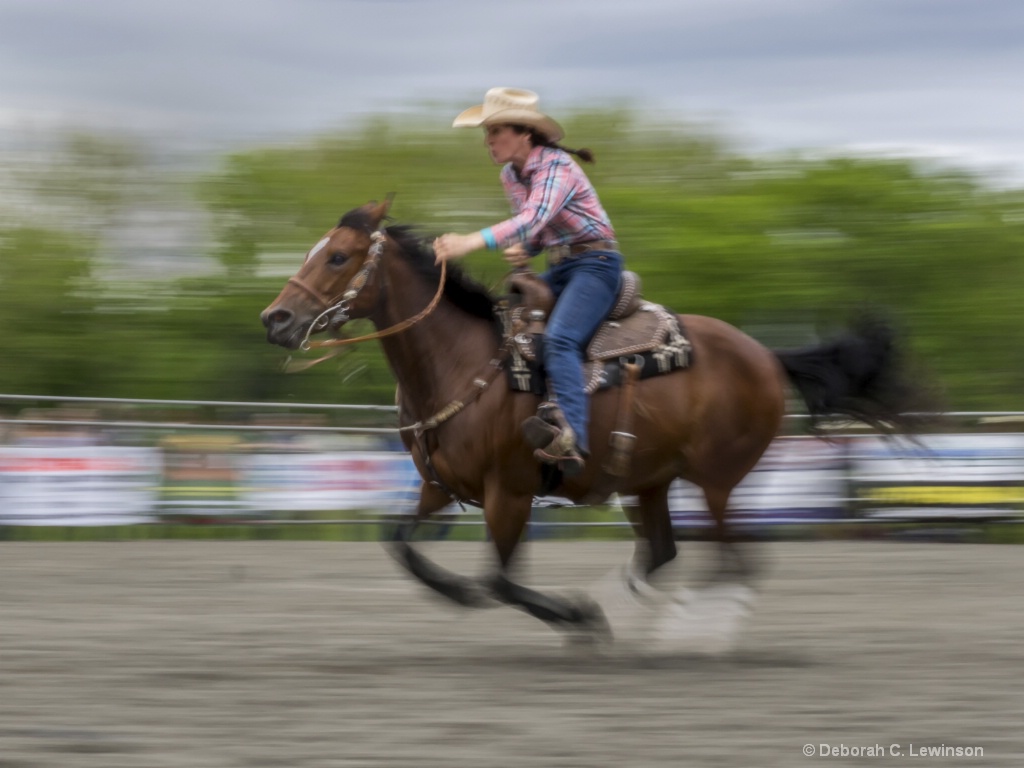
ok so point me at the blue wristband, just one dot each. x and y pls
(489, 240)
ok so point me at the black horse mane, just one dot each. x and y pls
(460, 289)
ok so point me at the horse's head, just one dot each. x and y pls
(334, 282)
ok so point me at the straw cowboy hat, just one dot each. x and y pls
(514, 106)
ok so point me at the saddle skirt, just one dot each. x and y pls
(636, 331)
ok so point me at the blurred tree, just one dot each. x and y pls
(90, 179)
(46, 311)
(785, 247)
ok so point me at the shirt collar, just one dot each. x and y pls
(533, 161)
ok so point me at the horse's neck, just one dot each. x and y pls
(435, 360)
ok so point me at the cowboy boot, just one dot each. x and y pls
(548, 424)
(563, 452)
(553, 439)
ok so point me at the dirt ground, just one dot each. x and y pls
(213, 654)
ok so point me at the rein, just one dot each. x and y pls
(338, 312)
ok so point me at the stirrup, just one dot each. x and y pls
(571, 465)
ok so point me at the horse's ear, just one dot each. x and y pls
(378, 211)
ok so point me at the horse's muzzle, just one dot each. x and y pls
(281, 327)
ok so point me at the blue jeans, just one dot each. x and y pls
(585, 289)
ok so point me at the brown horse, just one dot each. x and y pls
(708, 423)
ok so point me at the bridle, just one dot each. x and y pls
(337, 309)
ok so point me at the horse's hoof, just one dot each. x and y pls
(705, 621)
(591, 625)
(629, 604)
(584, 642)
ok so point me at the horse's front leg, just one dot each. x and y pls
(506, 513)
(459, 589)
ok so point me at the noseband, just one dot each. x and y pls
(337, 312)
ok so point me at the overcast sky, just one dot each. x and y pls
(941, 77)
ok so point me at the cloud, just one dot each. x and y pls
(785, 73)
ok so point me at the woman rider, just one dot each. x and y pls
(555, 209)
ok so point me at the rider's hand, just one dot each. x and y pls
(452, 246)
(517, 255)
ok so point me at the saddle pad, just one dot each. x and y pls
(644, 330)
(655, 340)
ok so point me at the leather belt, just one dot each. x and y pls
(557, 253)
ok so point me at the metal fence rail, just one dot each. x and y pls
(59, 399)
(259, 463)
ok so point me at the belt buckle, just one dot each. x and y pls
(558, 253)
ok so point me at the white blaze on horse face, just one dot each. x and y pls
(315, 248)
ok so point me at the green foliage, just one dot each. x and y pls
(45, 311)
(786, 248)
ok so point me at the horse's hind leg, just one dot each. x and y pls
(631, 604)
(657, 545)
(683, 619)
(734, 561)
(709, 619)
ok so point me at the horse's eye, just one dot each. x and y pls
(337, 258)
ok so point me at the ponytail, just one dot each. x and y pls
(540, 140)
(582, 153)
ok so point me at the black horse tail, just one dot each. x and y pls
(861, 375)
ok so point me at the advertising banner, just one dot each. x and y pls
(78, 485)
(291, 482)
(938, 476)
(797, 480)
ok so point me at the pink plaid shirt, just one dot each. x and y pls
(553, 203)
